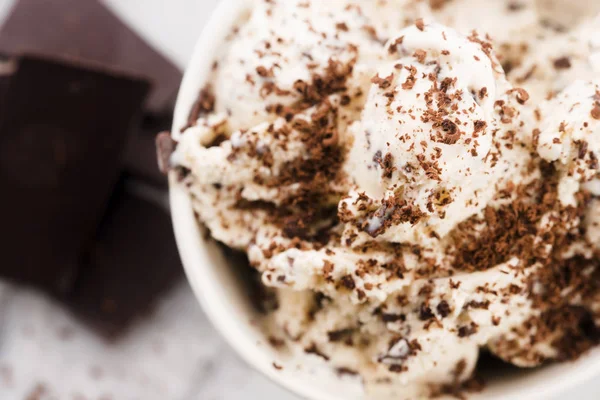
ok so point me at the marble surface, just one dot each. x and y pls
(175, 354)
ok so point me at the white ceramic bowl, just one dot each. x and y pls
(220, 290)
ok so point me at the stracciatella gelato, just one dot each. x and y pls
(425, 156)
(415, 184)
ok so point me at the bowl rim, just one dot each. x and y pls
(198, 255)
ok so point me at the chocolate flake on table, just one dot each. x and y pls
(63, 129)
(88, 31)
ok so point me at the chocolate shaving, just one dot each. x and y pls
(467, 330)
(425, 313)
(562, 63)
(522, 95)
(204, 105)
(346, 371)
(596, 111)
(383, 83)
(393, 49)
(443, 308)
(165, 146)
(420, 24)
(313, 349)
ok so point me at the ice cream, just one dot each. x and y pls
(274, 60)
(407, 204)
(426, 138)
(569, 136)
(553, 58)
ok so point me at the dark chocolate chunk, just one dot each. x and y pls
(165, 146)
(63, 129)
(562, 63)
(443, 308)
(140, 158)
(425, 313)
(133, 261)
(87, 30)
(7, 68)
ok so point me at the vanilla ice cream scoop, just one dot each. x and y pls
(425, 150)
(266, 69)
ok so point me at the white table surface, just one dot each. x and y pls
(173, 355)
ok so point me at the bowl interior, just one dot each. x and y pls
(220, 287)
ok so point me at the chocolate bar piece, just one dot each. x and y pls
(7, 69)
(133, 261)
(63, 129)
(87, 30)
(140, 158)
